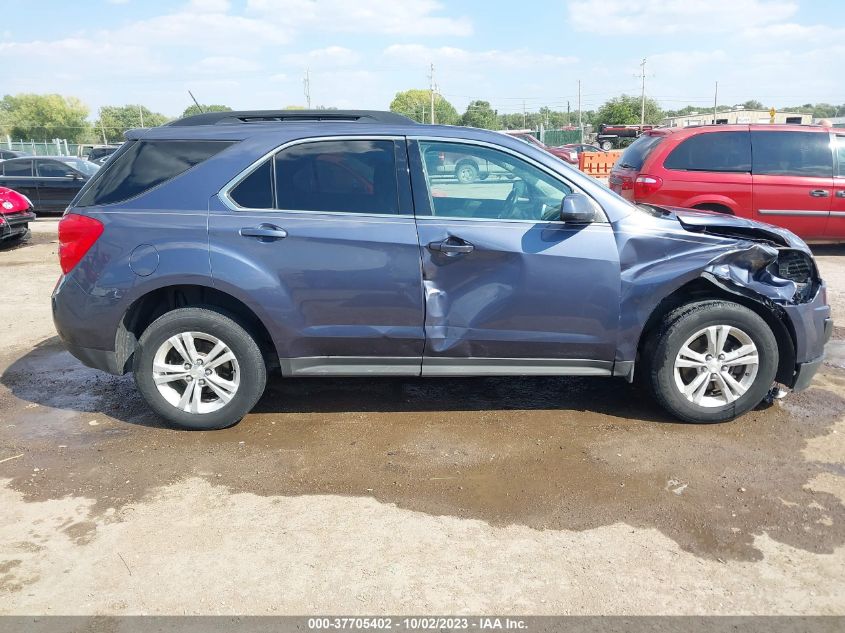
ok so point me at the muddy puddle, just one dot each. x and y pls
(548, 453)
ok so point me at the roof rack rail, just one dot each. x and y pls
(291, 116)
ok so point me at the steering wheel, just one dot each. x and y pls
(509, 209)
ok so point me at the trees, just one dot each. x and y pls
(416, 104)
(115, 120)
(480, 114)
(753, 104)
(43, 117)
(193, 109)
(625, 110)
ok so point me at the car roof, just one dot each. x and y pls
(735, 127)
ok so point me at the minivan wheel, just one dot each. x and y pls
(466, 173)
(199, 369)
(712, 361)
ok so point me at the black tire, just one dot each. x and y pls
(664, 345)
(252, 369)
(466, 172)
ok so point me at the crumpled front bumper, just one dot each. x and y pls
(813, 327)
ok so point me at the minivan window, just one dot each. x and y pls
(17, 168)
(256, 190)
(792, 153)
(712, 151)
(839, 141)
(142, 165)
(638, 151)
(352, 176)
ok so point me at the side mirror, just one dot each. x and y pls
(578, 208)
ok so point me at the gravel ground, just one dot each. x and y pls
(530, 496)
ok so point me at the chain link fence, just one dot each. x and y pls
(56, 147)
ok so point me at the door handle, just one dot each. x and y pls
(451, 246)
(840, 194)
(820, 193)
(265, 232)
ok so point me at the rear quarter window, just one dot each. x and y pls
(712, 151)
(635, 156)
(141, 165)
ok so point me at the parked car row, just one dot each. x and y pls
(49, 182)
(789, 175)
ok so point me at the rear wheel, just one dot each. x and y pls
(711, 361)
(199, 369)
(718, 208)
(466, 172)
(606, 145)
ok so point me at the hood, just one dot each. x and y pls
(725, 225)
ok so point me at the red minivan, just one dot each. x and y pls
(789, 175)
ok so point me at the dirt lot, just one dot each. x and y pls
(564, 496)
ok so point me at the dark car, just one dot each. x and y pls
(15, 215)
(51, 183)
(6, 154)
(100, 153)
(214, 250)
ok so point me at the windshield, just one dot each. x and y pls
(83, 166)
(638, 151)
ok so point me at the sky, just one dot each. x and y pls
(253, 54)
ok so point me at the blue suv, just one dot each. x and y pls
(222, 247)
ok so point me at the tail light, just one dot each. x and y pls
(646, 185)
(77, 234)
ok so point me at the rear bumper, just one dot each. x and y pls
(101, 359)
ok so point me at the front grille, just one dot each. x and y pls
(795, 266)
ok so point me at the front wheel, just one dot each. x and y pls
(711, 361)
(199, 369)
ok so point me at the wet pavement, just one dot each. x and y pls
(552, 455)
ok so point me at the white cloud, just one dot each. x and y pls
(394, 17)
(651, 17)
(777, 34)
(485, 61)
(224, 65)
(329, 57)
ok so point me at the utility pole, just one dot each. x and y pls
(568, 119)
(141, 114)
(431, 92)
(715, 101)
(306, 85)
(524, 124)
(102, 128)
(580, 127)
(642, 102)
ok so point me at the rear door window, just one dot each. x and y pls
(142, 165)
(17, 168)
(792, 153)
(351, 176)
(255, 191)
(712, 151)
(639, 150)
(53, 169)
